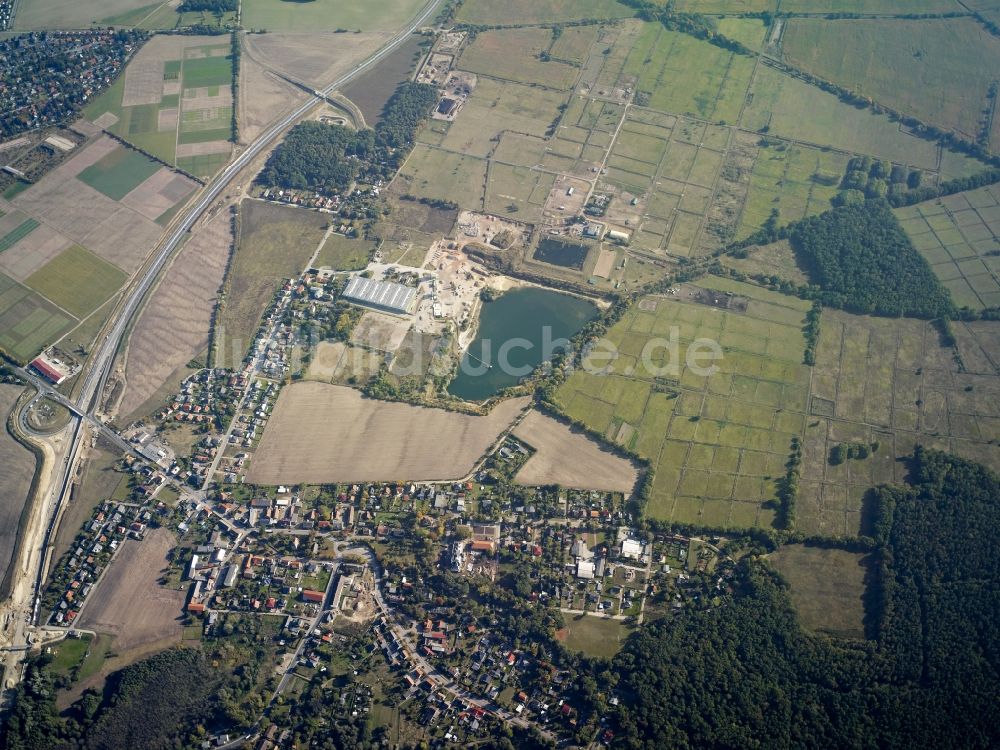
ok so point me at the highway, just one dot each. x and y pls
(101, 361)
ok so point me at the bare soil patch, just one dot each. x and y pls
(321, 434)
(271, 98)
(18, 467)
(33, 252)
(605, 263)
(202, 149)
(174, 326)
(571, 459)
(316, 59)
(159, 193)
(326, 361)
(380, 331)
(129, 604)
(166, 120)
(124, 238)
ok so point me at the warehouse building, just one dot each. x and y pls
(381, 295)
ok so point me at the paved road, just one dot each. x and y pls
(102, 358)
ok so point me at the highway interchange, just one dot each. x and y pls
(86, 404)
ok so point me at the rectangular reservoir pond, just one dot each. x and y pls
(560, 253)
(517, 332)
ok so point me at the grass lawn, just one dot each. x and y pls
(201, 72)
(939, 71)
(513, 55)
(275, 244)
(718, 440)
(77, 280)
(827, 587)
(788, 107)
(436, 174)
(329, 15)
(344, 254)
(119, 173)
(28, 321)
(594, 636)
(489, 12)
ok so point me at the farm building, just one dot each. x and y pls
(381, 295)
(447, 106)
(47, 370)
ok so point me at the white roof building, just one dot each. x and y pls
(381, 295)
(633, 548)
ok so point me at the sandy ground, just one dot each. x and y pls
(17, 466)
(174, 326)
(380, 331)
(159, 193)
(321, 434)
(570, 459)
(128, 603)
(325, 361)
(605, 263)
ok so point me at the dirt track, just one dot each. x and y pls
(322, 433)
(570, 459)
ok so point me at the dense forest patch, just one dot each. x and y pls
(747, 674)
(864, 262)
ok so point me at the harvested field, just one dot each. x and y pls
(320, 434)
(372, 90)
(174, 327)
(203, 149)
(15, 480)
(570, 458)
(129, 604)
(143, 81)
(160, 193)
(317, 59)
(77, 280)
(275, 244)
(118, 173)
(827, 587)
(329, 15)
(87, 216)
(25, 257)
(272, 96)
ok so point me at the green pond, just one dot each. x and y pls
(517, 332)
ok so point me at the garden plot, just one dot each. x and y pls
(719, 441)
(790, 108)
(960, 237)
(889, 381)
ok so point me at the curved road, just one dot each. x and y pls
(100, 363)
(102, 359)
